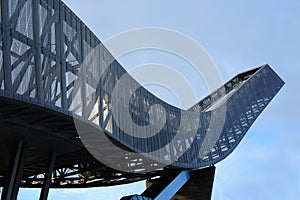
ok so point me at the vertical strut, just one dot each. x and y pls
(82, 56)
(60, 52)
(37, 51)
(14, 175)
(47, 178)
(6, 45)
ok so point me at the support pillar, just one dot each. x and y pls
(47, 178)
(37, 51)
(14, 175)
(165, 187)
(60, 52)
(179, 185)
(6, 46)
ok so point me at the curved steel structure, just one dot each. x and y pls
(47, 78)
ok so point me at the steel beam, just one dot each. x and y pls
(37, 51)
(166, 187)
(6, 46)
(60, 52)
(14, 176)
(47, 178)
(82, 75)
(174, 185)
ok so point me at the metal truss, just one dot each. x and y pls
(84, 175)
(45, 63)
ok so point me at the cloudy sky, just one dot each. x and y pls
(238, 35)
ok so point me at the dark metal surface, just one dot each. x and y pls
(167, 186)
(48, 177)
(198, 186)
(43, 131)
(14, 174)
(46, 79)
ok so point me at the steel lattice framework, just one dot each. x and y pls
(47, 78)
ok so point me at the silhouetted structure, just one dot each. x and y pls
(47, 80)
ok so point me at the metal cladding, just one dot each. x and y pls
(49, 58)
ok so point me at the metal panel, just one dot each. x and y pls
(47, 178)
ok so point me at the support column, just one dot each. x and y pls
(179, 185)
(47, 178)
(165, 187)
(81, 29)
(60, 52)
(37, 51)
(14, 175)
(6, 45)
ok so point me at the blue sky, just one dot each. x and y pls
(238, 35)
